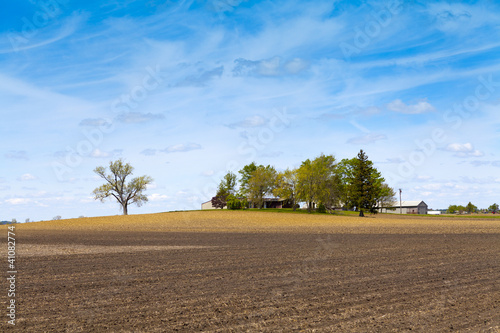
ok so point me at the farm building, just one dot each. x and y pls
(272, 203)
(208, 205)
(268, 203)
(407, 207)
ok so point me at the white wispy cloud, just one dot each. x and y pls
(182, 147)
(26, 177)
(137, 117)
(421, 106)
(274, 66)
(158, 197)
(17, 155)
(149, 152)
(367, 139)
(94, 122)
(18, 201)
(98, 153)
(30, 37)
(463, 150)
(200, 80)
(249, 122)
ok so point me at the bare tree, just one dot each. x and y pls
(116, 186)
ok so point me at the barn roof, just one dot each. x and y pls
(409, 203)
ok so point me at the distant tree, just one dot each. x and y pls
(27, 220)
(329, 181)
(461, 209)
(452, 209)
(236, 203)
(260, 184)
(493, 208)
(381, 192)
(227, 185)
(14, 221)
(219, 202)
(364, 185)
(246, 173)
(470, 208)
(286, 186)
(385, 196)
(58, 217)
(321, 208)
(318, 182)
(116, 186)
(307, 184)
(346, 174)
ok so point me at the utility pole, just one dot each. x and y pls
(400, 206)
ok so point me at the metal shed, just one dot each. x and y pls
(407, 207)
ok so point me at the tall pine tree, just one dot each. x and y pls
(363, 186)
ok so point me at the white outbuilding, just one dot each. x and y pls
(406, 207)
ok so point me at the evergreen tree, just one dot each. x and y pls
(363, 187)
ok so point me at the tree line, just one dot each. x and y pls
(354, 184)
(469, 208)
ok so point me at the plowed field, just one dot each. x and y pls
(256, 272)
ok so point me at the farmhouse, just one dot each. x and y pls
(407, 207)
(268, 203)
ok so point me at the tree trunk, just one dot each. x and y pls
(125, 210)
(361, 213)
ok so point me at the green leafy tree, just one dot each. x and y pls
(385, 195)
(286, 186)
(470, 208)
(321, 208)
(260, 184)
(346, 173)
(246, 173)
(364, 185)
(318, 182)
(236, 203)
(227, 185)
(117, 187)
(493, 208)
(452, 209)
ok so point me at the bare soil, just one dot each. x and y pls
(322, 280)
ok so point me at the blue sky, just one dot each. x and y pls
(187, 90)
